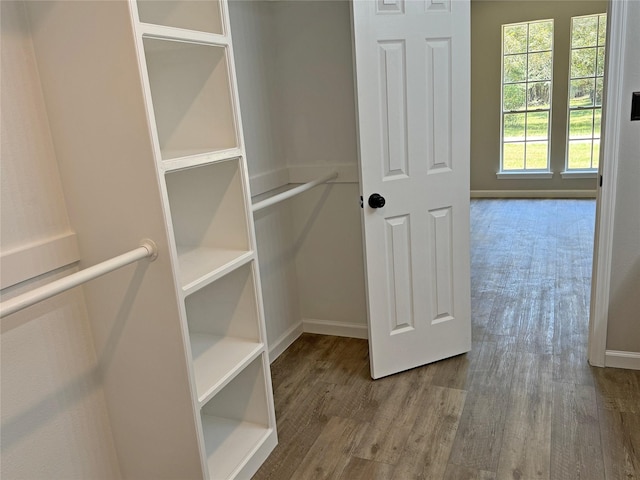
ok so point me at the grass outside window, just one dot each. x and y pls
(586, 82)
(527, 63)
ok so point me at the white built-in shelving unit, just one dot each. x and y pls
(193, 109)
(144, 106)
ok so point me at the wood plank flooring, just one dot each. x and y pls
(523, 404)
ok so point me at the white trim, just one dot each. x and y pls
(619, 359)
(338, 329)
(533, 193)
(29, 261)
(579, 174)
(347, 172)
(285, 341)
(524, 175)
(606, 205)
(267, 181)
(282, 196)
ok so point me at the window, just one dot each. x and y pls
(527, 64)
(588, 34)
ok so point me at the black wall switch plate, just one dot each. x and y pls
(635, 106)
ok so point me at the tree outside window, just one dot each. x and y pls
(588, 36)
(527, 71)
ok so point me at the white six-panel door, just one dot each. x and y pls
(412, 60)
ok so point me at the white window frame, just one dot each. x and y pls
(584, 172)
(528, 172)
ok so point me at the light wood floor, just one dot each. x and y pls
(523, 404)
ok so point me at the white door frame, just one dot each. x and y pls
(606, 202)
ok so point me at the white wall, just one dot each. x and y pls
(623, 328)
(315, 68)
(252, 28)
(329, 260)
(295, 77)
(278, 275)
(54, 420)
(253, 33)
(317, 112)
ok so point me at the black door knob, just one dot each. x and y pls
(376, 200)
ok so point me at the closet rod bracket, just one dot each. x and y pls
(151, 247)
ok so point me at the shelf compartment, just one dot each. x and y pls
(209, 219)
(236, 422)
(224, 331)
(191, 96)
(200, 15)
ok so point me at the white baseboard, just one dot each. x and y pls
(618, 359)
(533, 193)
(285, 341)
(338, 329)
(30, 261)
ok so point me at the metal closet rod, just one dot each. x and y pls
(293, 192)
(147, 249)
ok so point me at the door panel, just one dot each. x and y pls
(400, 283)
(393, 108)
(410, 58)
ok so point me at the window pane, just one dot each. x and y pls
(527, 65)
(582, 93)
(513, 126)
(513, 156)
(597, 114)
(596, 154)
(584, 32)
(536, 155)
(583, 62)
(588, 35)
(602, 29)
(580, 124)
(599, 89)
(600, 65)
(579, 154)
(515, 39)
(538, 94)
(537, 126)
(514, 97)
(540, 66)
(515, 68)
(540, 36)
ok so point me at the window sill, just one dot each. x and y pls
(524, 175)
(579, 174)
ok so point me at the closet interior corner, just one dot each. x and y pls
(294, 66)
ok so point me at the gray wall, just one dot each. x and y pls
(487, 17)
(623, 331)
